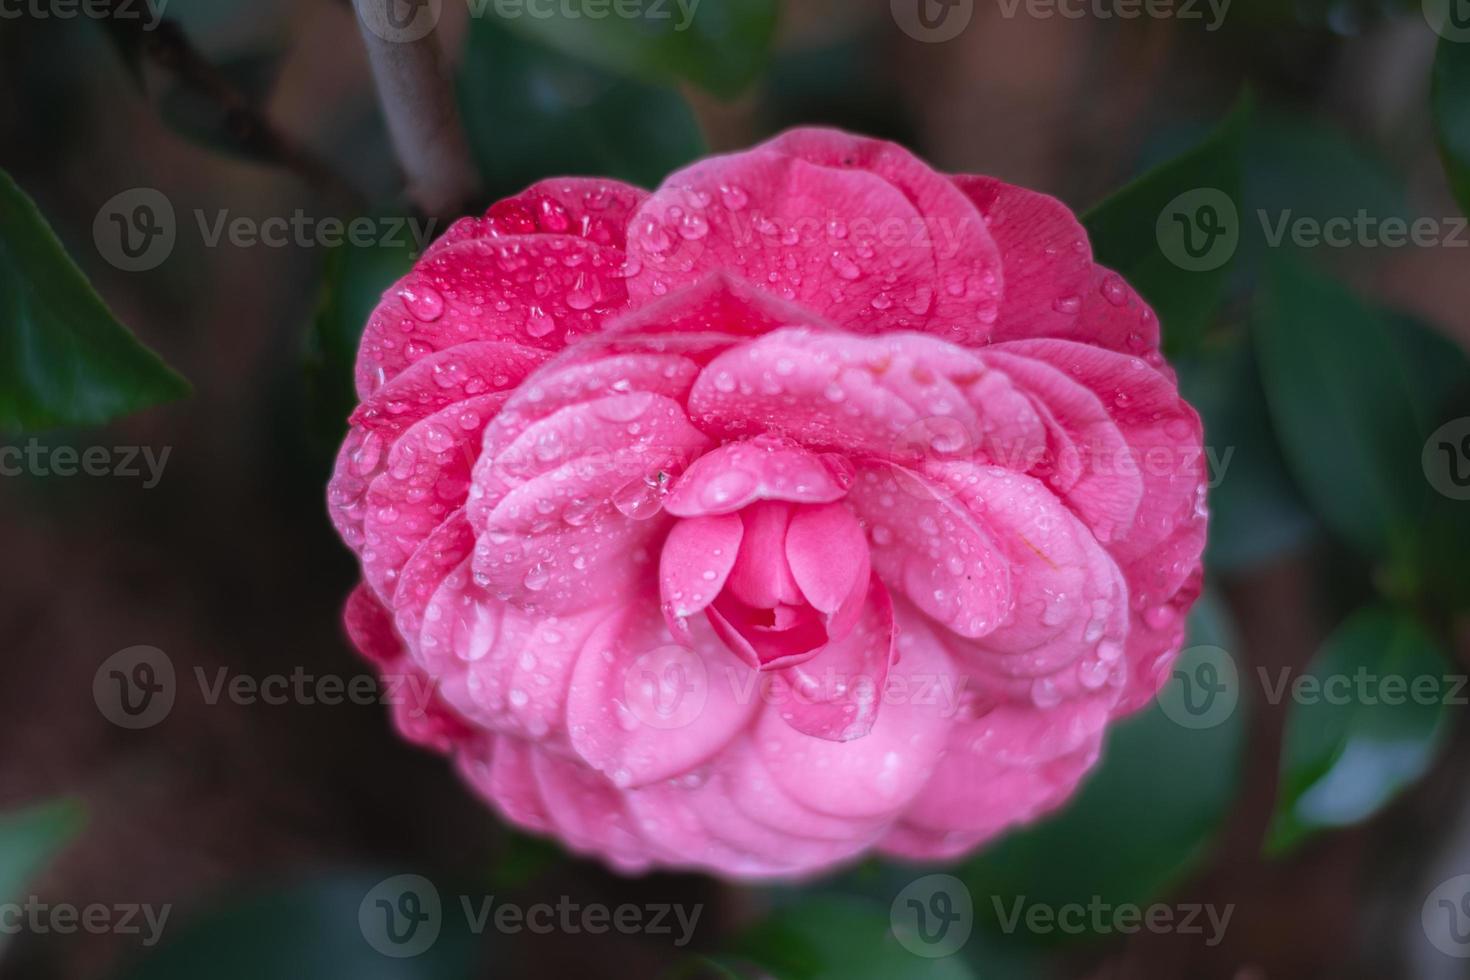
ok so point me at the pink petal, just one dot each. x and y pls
(576, 498)
(933, 550)
(596, 209)
(837, 694)
(427, 477)
(873, 775)
(895, 248)
(1090, 464)
(642, 708)
(854, 395)
(696, 559)
(762, 576)
(828, 555)
(445, 377)
(738, 474)
(534, 290)
(1045, 256)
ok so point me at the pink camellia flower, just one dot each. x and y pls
(814, 504)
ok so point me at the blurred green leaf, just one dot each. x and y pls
(719, 45)
(1256, 511)
(1346, 386)
(1364, 722)
(64, 358)
(303, 929)
(31, 837)
(522, 858)
(532, 113)
(835, 938)
(1450, 101)
(353, 281)
(1141, 821)
(1173, 232)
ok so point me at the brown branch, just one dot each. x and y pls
(423, 118)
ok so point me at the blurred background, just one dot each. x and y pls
(1284, 181)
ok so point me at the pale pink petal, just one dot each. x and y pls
(643, 708)
(837, 694)
(696, 559)
(738, 474)
(933, 550)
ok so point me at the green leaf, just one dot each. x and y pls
(1365, 722)
(30, 838)
(1348, 395)
(64, 358)
(1450, 102)
(1141, 821)
(309, 928)
(1174, 231)
(354, 280)
(532, 113)
(835, 938)
(1256, 511)
(719, 45)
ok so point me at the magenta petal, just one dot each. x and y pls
(519, 288)
(697, 557)
(836, 694)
